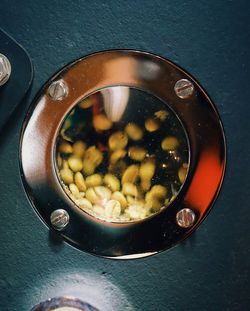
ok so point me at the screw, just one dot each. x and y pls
(185, 218)
(58, 90)
(184, 88)
(59, 219)
(5, 69)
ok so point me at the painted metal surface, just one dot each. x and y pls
(208, 272)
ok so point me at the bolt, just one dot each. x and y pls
(185, 218)
(59, 219)
(5, 69)
(184, 88)
(58, 90)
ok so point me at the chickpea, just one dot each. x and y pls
(79, 181)
(182, 173)
(169, 143)
(94, 180)
(117, 155)
(74, 190)
(130, 189)
(137, 153)
(151, 125)
(130, 175)
(67, 176)
(118, 141)
(79, 148)
(112, 209)
(75, 163)
(118, 196)
(101, 122)
(65, 148)
(133, 131)
(112, 182)
(86, 103)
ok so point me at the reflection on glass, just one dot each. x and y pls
(122, 154)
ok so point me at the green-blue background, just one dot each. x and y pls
(210, 271)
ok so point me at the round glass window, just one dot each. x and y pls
(122, 154)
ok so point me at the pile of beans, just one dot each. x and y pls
(114, 176)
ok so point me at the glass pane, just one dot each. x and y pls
(122, 154)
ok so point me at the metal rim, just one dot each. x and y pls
(59, 302)
(201, 122)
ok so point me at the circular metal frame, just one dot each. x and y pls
(60, 302)
(198, 115)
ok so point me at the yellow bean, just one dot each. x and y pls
(169, 143)
(74, 190)
(147, 170)
(161, 114)
(79, 148)
(94, 155)
(91, 195)
(151, 125)
(79, 181)
(133, 131)
(103, 193)
(118, 141)
(117, 155)
(88, 167)
(67, 176)
(145, 184)
(136, 212)
(75, 163)
(65, 148)
(93, 180)
(137, 153)
(98, 195)
(130, 175)
(182, 173)
(59, 161)
(112, 182)
(152, 202)
(101, 122)
(158, 191)
(120, 198)
(86, 103)
(130, 189)
(84, 204)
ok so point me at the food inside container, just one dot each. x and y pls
(122, 154)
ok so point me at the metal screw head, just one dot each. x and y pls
(58, 90)
(59, 219)
(5, 69)
(185, 218)
(184, 88)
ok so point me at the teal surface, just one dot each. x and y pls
(210, 271)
